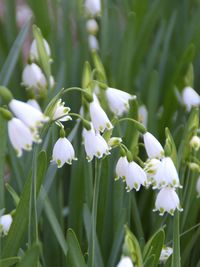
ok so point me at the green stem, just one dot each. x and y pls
(94, 210)
(176, 258)
(140, 127)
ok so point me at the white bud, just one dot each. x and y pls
(63, 152)
(114, 141)
(93, 43)
(60, 111)
(121, 168)
(190, 98)
(93, 7)
(34, 50)
(198, 187)
(95, 144)
(98, 116)
(152, 146)
(32, 77)
(118, 100)
(125, 262)
(195, 142)
(5, 223)
(193, 166)
(92, 26)
(143, 115)
(167, 200)
(166, 252)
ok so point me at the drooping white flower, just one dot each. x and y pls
(5, 223)
(118, 100)
(166, 252)
(20, 136)
(167, 200)
(152, 146)
(98, 116)
(93, 7)
(95, 144)
(125, 262)
(166, 175)
(32, 77)
(92, 26)
(93, 43)
(143, 115)
(32, 117)
(121, 168)
(60, 111)
(190, 98)
(151, 168)
(135, 177)
(63, 152)
(34, 104)
(195, 142)
(34, 54)
(198, 187)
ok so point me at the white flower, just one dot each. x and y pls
(93, 7)
(63, 152)
(118, 100)
(195, 142)
(198, 187)
(166, 252)
(151, 168)
(34, 51)
(190, 98)
(34, 104)
(143, 115)
(32, 117)
(167, 201)
(98, 116)
(32, 77)
(121, 168)
(60, 111)
(125, 262)
(135, 176)
(5, 223)
(166, 174)
(20, 136)
(152, 146)
(95, 144)
(93, 42)
(92, 26)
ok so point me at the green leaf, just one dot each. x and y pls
(170, 147)
(86, 75)
(13, 194)
(99, 66)
(74, 256)
(153, 249)
(41, 169)
(30, 257)
(11, 60)
(9, 261)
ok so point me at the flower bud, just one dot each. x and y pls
(34, 55)
(5, 223)
(143, 115)
(198, 187)
(152, 146)
(195, 142)
(190, 98)
(114, 141)
(93, 43)
(166, 252)
(125, 262)
(93, 7)
(193, 166)
(92, 26)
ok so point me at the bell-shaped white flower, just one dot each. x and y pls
(93, 7)
(166, 252)
(135, 177)
(125, 262)
(34, 54)
(60, 111)
(32, 117)
(190, 98)
(121, 168)
(195, 142)
(92, 26)
(34, 104)
(166, 175)
(63, 152)
(98, 116)
(198, 187)
(95, 144)
(32, 77)
(152, 146)
(93, 43)
(20, 136)
(151, 168)
(5, 223)
(143, 115)
(118, 100)
(167, 200)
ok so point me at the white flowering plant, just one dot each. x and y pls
(100, 139)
